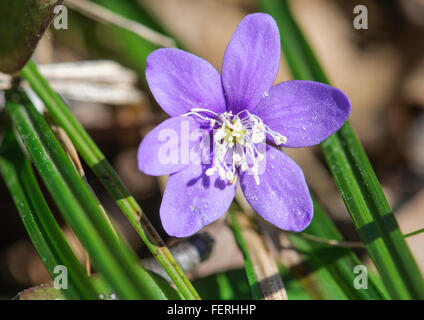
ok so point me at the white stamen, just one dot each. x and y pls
(210, 171)
(258, 182)
(239, 134)
(230, 176)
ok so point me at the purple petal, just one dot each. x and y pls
(171, 146)
(282, 197)
(251, 61)
(192, 200)
(306, 112)
(181, 81)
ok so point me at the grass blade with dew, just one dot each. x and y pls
(42, 228)
(110, 254)
(107, 175)
(353, 173)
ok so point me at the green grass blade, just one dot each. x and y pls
(111, 256)
(105, 173)
(38, 220)
(353, 174)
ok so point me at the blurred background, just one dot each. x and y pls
(98, 68)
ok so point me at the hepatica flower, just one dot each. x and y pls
(243, 119)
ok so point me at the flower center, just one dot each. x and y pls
(239, 142)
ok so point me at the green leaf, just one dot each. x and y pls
(354, 176)
(22, 24)
(38, 220)
(110, 254)
(105, 173)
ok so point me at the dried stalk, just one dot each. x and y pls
(102, 14)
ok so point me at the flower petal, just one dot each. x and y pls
(181, 81)
(192, 200)
(172, 146)
(282, 197)
(306, 112)
(251, 61)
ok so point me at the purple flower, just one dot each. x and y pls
(240, 111)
